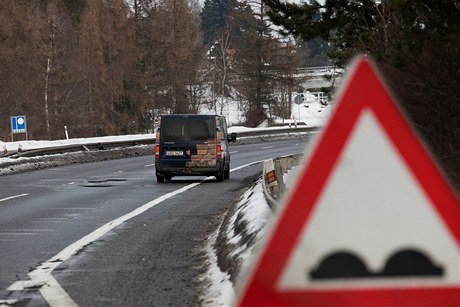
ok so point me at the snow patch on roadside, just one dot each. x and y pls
(220, 291)
(23, 164)
(231, 248)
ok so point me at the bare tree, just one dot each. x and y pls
(226, 58)
(104, 45)
(53, 44)
(176, 54)
(97, 66)
(20, 76)
(285, 59)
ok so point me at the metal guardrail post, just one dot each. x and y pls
(279, 176)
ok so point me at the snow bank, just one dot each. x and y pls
(231, 248)
(33, 144)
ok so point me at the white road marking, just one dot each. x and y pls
(7, 302)
(51, 219)
(12, 235)
(245, 165)
(18, 233)
(268, 147)
(41, 277)
(28, 230)
(13, 197)
(149, 165)
(232, 152)
(75, 208)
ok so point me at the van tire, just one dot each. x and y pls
(220, 177)
(227, 173)
(160, 179)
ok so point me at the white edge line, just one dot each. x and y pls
(41, 276)
(7, 302)
(13, 197)
(245, 165)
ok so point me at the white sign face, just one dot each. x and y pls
(371, 211)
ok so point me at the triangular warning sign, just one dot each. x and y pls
(371, 220)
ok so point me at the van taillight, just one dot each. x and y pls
(219, 152)
(157, 152)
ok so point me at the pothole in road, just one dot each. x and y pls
(103, 183)
(98, 185)
(107, 180)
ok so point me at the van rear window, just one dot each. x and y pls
(187, 128)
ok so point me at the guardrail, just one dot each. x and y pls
(273, 177)
(103, 145)
(320, 70)
(79, 147)
(276, 130)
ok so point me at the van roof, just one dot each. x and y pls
(190, 115)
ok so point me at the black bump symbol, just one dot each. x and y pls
(411, 263)
(405, 263)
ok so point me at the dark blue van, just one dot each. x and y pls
(189, 145)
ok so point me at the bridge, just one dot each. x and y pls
(316, 78)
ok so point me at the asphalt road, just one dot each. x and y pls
(151, 259)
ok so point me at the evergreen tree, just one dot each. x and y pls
(264, 62)
(215, 18)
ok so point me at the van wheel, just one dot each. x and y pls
(220, 176)
(160, 179)
(227, 173)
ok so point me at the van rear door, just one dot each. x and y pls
(173, 142)
(181, 138)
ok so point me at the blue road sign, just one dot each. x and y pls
(18, 124)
